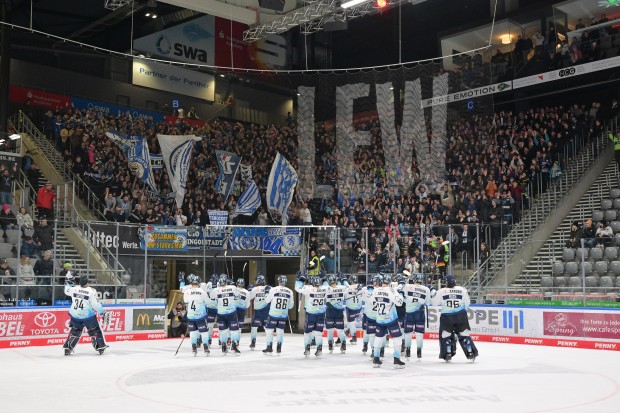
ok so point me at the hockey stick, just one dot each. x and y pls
(182, 340)
(226, 262)
(232, 268)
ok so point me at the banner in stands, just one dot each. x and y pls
(10, 161)
(271, 241)
(218, 217)
(108, 109)
(164, 238)
(39, 98)
(564, 327)
(173, 79)
(50, 326)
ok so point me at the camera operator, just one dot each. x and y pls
(178, 320)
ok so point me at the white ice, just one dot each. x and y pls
(144, 376)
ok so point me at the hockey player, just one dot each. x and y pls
(226, 296)
(315, 295)
(354, 305)
(83, 312)
(417, 297)
(280, 299)
(258, 293)
(384, 299)
(334, 312)
(454, 301)
(196, 299)
(369, 325)
(243, 302)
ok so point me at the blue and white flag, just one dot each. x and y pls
(229, 165)
(122, 140)
(249, 201)
(281, 188)
(139, 160)
(177, 151)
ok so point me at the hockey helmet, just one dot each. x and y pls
(282, 280)
(240, 283)
(450, 281)
(260, 280)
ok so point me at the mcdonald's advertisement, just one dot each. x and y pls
(149, 319)
(46, 326)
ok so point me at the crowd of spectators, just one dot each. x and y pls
(494, 165)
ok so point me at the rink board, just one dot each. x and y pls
(40, 326)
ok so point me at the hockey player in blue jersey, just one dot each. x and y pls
(383, 300)
(417, 297)
(314, 295)
(454, 301)
(226, 296)
(243, 302)
(354, 305)
(196, 299)
(83, 311)
(369, 324)
(258, 294)
(280, 299)
(334, 311)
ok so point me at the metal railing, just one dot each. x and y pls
(23, 124)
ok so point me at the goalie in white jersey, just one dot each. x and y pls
(196, 299)
(454, 301)
(280, 299)
(84, 308)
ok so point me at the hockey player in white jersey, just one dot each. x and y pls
(258, 294)
(83, 310)
(369, 324)
(454, 301)
(196, 299)
(226, 296)
(353, 303)
(243, 302)
(280, 299)
(315, 295)
(384, 300)
(417, 297)
(334, 312)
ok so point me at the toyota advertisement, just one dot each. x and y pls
(50, 326)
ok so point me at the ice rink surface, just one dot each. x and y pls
(144, 376)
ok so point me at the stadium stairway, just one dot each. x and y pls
(542, 263)
(519, 246)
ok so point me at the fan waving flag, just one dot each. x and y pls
(281, 188)
(136, 149)
(177, 151)
(249, 201)
(229, 165)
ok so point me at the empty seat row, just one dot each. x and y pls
(605, 281)
(595, 253)
(601, 267)
(609, 215)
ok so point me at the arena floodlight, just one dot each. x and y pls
(352, 3)
(15, 136)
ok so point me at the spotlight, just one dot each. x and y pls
(147, 14)
(154, 16)
(381, 3)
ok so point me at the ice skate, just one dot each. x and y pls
(365, 348)
(353, 340)
(234, 348)
(408, 352)
(419, 354)
(194, 349)
(253, 344)
(279, 348)
(319, 351)
(224, 348)
(343, 347)
(376, 361)
(307, 350)
(398, 364)
(330, 346)
(268, 350)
